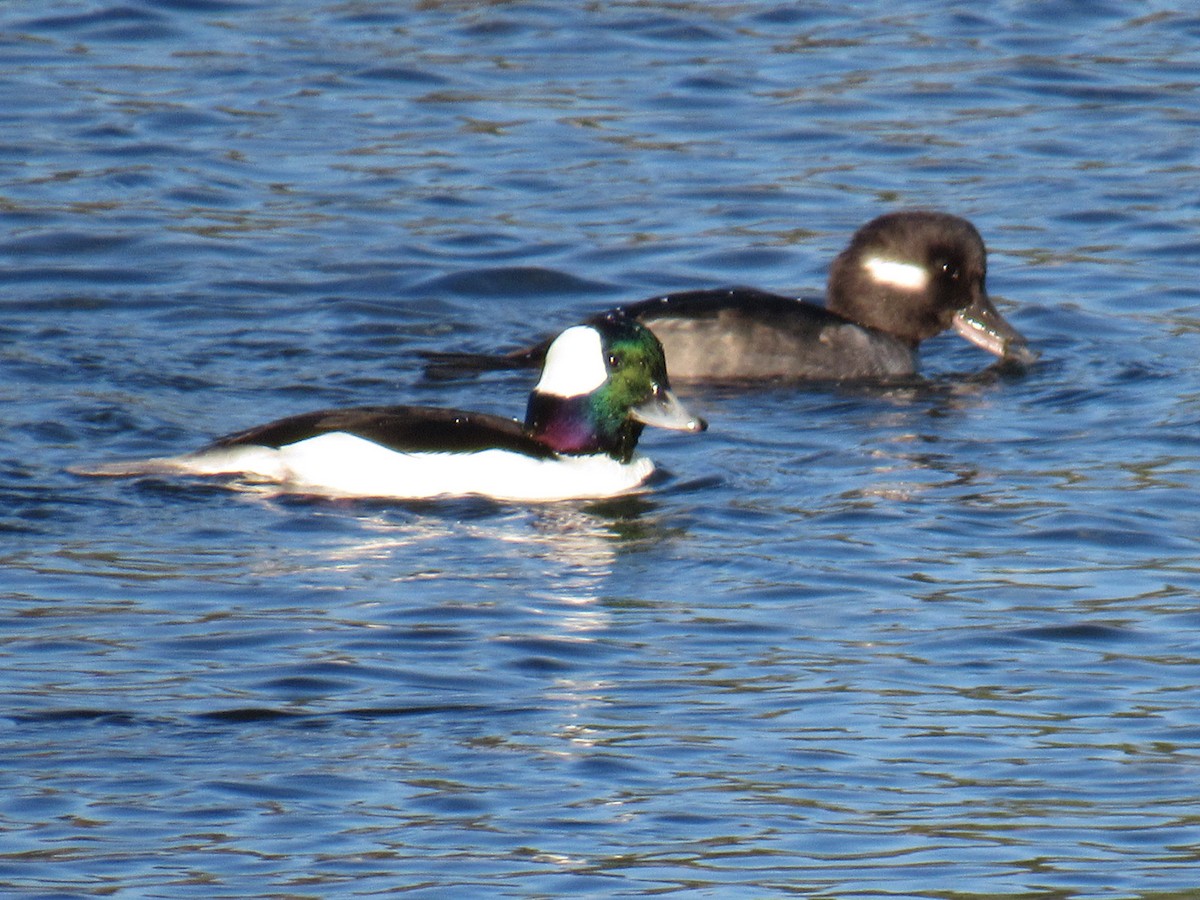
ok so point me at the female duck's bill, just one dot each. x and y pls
(601, 384)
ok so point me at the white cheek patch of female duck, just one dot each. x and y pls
(574, 364)
(344, 465)
(904, 275)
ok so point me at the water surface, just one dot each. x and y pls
(925, 640)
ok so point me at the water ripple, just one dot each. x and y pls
(929, 639)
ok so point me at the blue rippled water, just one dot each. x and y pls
(933, 640)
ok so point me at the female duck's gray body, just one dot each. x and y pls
(743, 334)
(904, 277)
(600, 385)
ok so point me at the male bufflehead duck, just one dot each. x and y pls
(904, 277)
(600, 384)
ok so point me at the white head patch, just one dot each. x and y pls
(908, 276)
(574, 364)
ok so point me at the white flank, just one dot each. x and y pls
(904, 275)
(343, 465)
(257, 462)
(574, 364)
(346, 465)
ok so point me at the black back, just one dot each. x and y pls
(405, 429)
(744, 301)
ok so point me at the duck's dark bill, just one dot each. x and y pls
(664, 410)
(982, 325)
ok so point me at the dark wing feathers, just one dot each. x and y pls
(406, 429)
(745, 301)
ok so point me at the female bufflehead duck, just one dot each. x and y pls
(600, 384)
(904, 277)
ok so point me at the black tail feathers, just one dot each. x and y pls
(441, 366)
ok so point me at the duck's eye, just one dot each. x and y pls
(615, 360)
(950, 270)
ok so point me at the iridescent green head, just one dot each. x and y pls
(600, 384)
